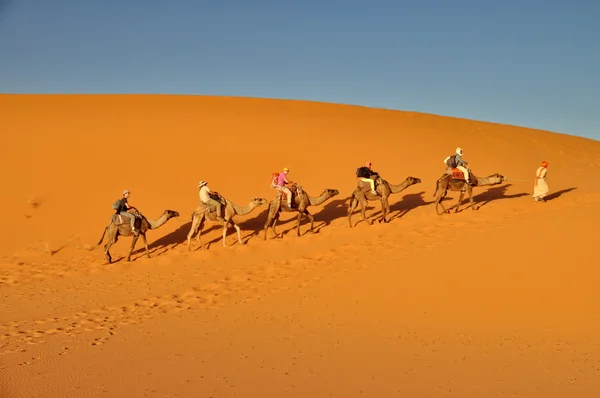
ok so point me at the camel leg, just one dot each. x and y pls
(225, 227)
(353, 204)
(300, 215)
(133, 242)
(438, 202)
(311, 218)
(270, 217)
(470, 190)
(460, 199)
(193, 229)
(239, 232)
(385, 209)
(146, 245)
(201, 224)
(363, 210)
(109, 243)
(199, 236)
(267, 225)
(273, 226)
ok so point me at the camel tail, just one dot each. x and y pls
(102, 238)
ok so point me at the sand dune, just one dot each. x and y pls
(494, 302)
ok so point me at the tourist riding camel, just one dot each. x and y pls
(366, 174)
(122, 206)
(207, 197)
(455, 161)
(281, 183)
(448, 182)
(117, 227)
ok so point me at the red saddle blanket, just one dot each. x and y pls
(458, 175)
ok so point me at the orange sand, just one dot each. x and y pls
(497, 302)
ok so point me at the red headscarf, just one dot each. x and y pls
(544, 164)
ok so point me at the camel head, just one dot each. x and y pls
(332, 192)
(171, 213)
(413, 180)
(259, 201)
(496, 179)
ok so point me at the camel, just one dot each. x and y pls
(119, 225)
(456, 182)
(200, 215)
(362, 194)
(302, 201)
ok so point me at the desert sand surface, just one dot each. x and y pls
(497, 302)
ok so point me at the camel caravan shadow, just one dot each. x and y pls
(177, 237)
(496, 193)
(249, 228)
(407, 203)
(483, 198)
(332, 210)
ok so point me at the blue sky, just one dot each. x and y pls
(531, 63)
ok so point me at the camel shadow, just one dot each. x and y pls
(557, 194)
(494, 193)
(172, 239)
(333, 210)
(254, 225)
(407, 203)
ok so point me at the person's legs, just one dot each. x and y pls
(131, 219)
(289, 195)
(217, 205)
(465, 172)
(371, 182)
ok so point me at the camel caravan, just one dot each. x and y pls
(291, 197)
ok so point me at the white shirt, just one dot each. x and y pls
(204, 194)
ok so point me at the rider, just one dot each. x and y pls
(205, 198)
(282, 181)
(124, 206)
(364, 173)
(458, 162)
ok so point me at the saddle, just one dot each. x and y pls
(219, 198)
(366, 187)
(457, 175)
(118, 219)
(295, 189)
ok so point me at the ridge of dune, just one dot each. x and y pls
(505, 293)
(307, 102)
